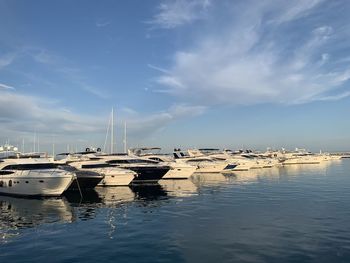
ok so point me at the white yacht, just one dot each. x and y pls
(33, 177)
(243, 163)
(8, 150)
(301, 156)
(113, 176)
(203, 163)
(178, 168)
(148, 171)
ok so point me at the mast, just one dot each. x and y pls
(53, 146)
(112, 131)
(22, 145)
(38, 147)
(34, 142)
(125, 148)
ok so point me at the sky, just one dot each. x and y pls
(201, 73)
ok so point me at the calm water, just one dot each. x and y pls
(288, 214)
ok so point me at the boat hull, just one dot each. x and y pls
(35, 183)
(180, 172)
(120, 177)
(150, 174)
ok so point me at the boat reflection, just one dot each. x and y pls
(210, 179)
(179, 188)
(149, 192)
(310, 168)
(111, 196)
(20, 213)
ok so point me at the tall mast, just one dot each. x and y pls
(112, 130)
(34, 142)
(38, 147)
(22, 145)
(125, 137)
(53, 146)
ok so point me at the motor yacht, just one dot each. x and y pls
(33, 177)
(112, 176)
(178, 168)
(148, 171)
(243, 163)
(301, 156)
(204, 164)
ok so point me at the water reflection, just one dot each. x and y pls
(310, 168)
(210, 179)
(179, 188)
(17, 214)
(20, 213)
(150, 192)
(111, 196)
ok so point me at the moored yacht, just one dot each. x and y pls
(33, 177)
(112, 176)
(243, 163)
(178, 168)
(148, 171)
(205, 164)
(301, 156)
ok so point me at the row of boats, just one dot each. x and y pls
(36, 174)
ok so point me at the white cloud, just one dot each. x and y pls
(7, 59)
(251, 61)
(176, 13)
(102, 23)
(23, 113)
(6, 87)
(143, 125)
(296, 9)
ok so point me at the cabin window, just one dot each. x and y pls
(10, 183)
(32, 166)
(100, 165)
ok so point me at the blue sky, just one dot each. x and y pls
(198, 73)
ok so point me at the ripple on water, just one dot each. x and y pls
(287, 214)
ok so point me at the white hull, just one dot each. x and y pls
(35, 183)
(115, 176)
(216, 167)
(179, 171)
(302, 160)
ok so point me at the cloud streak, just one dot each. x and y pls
(177, 13)
(6, 87)
(45, 117)
(262, 56)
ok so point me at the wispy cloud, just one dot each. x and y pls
(179, 12)
(47, 117)
(271, 52)
(23, 113)
(6, 87)
(102, 23)
(59, 66)
(146, 124)
(7, 59)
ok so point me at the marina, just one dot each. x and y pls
(301, 213)
(175, 131)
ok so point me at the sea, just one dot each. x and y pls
(296, 213)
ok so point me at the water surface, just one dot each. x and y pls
(299, 213)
